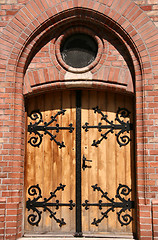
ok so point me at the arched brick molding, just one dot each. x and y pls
(102, 75)
(18, 41)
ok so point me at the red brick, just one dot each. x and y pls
(1, 231)
(139, 21)
(146, 7)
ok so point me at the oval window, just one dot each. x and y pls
(79, 50)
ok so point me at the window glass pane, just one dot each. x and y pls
(79, 50)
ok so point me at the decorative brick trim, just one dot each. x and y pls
(69, 32)
(154, 219)
(111, 73)
(2, 218)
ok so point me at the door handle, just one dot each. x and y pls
(84, 166)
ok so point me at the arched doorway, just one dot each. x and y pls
(22, 37)
(79, 168)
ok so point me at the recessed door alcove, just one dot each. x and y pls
(79, 168)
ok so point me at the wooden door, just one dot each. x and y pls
(109, 176)
(50, 164)
(79, 167)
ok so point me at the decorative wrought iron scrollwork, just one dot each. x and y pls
(121, 114)
(35, 128)
(34, 204)
(123, 218)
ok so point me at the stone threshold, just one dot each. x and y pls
(71, 237)
(76, 238)
(64, 238)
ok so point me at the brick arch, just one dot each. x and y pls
(97, 74)
(36, 18)
(19, 38)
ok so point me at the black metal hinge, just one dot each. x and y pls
(34, 205)
(36, 128)
(122, 139)
(125, 205)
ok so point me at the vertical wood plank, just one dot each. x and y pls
(66, 171)
(111, 160)
(129, 156)
(120, 157)
(68, 167)
(102, 161)
(93, 175)
(39, 158)
(72, 158)
(47, 161)
(29, 161)
(57, 156)
(85, 151)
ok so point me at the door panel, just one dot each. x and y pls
(49, 165)
(54, 161)
(111, 164)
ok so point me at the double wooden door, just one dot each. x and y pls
(79, 165)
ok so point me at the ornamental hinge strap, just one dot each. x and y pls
(126, 205)
(121, 114)
(34, 205)
(36, 128)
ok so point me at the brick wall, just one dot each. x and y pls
(151, 9)
(13, 57)
(8, 8)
